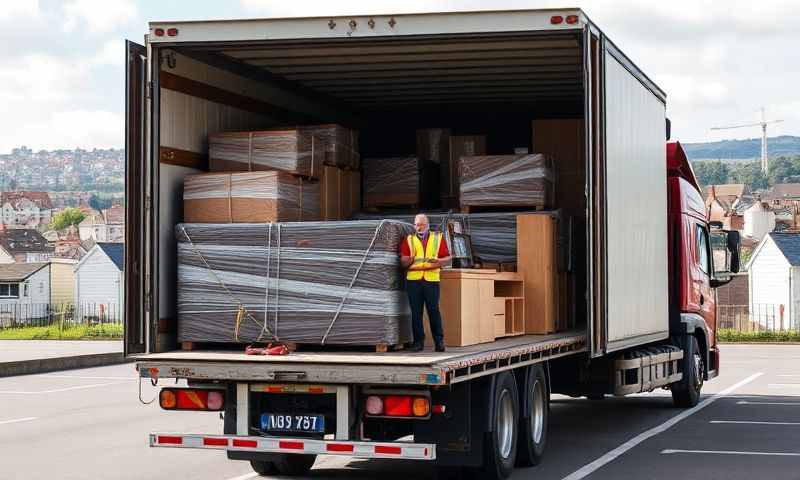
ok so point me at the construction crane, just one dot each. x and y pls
(763, 124)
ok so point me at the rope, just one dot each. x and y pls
(242, 313)
(266, 288)
(277, 282)
(352, 281)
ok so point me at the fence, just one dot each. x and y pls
(758, 317)
(16, 315)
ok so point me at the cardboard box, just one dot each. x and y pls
(249, 197)
(340, 193)
(399, 181)
(563, 140)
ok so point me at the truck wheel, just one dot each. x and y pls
(686, 393)
(293, 464)
(501, 443)
(263, 468)
(533, 423)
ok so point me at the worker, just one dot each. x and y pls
(423, 253)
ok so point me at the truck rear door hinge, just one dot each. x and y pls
(148, 89)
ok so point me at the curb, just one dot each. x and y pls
(44, 365)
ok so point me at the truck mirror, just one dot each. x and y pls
(669, 128)
(734, 244)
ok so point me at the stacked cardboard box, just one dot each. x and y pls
(340, 193)
(337, 283)
(506, 181)
(249, 197)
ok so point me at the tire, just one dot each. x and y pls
(686, 393)
(293, 464)
(533, 423)
(263, 468)
(500, 445)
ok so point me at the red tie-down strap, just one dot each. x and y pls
(268, 350)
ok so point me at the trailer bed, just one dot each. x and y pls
(455, 365)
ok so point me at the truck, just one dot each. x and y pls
(648, 259)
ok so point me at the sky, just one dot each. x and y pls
(720, 61)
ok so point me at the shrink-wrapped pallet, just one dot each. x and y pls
(493, 235)
(249, 197)
(341, 145)
(333, 283)
(300, 151)
(460, 146)
(391, 181)
(506, 181)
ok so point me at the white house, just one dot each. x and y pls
(108, 226)
(775, 281)
(759, 220)
(24, 292)
(99, 283)
(29, 209)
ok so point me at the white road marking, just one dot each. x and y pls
(17, 420)
(731, 452)
(245, 476)
(788, 404)
(743, 422)
(590, 468)
(58, 390)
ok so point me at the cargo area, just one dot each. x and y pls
(401, 103)
(307, 158)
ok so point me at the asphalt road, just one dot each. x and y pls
(89, 424)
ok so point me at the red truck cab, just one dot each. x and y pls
(693, 276)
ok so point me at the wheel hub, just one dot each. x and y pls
(537, 411)
(505, 424)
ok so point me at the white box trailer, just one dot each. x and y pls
(484, 72)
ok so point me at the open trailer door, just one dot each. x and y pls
(135, 148)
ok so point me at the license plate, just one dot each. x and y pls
(274, 422)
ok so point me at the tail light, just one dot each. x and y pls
(159, 32)
(572, 19)
(191, 399)
(400, 406)
(172, 32)
(556, 20)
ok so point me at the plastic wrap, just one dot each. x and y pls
(493, 235)
(298, 150)
(391, 181)
(341, 145)
(506, 180)
(433, 145)
(249, 197)
(307, 282)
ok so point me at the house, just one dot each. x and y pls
(27, 209)
(24, 245)
(728, 206)
(759, 220)
(107, 226)
(774, 270)
(782, 192)
(99, 283)
(24, 293)
(68, 245)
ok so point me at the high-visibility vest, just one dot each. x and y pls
(420, 255)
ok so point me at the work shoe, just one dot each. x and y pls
(440, 347)
(416, 347)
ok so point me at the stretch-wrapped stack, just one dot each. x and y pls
(249, 197)
(391, 181)
(506, 180)
(493, 235)
(333, 283)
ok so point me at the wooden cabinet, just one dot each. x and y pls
(537, 243)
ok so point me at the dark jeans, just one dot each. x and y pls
(425, 293)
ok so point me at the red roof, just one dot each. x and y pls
(41, 199)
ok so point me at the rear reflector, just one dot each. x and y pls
(572, 19)
(245, 443)
(439, 408)
(170, 440)
(339, 447)
(291, 445)
(172, 32)
(385, 450)
(215, 442)
(556, 19)
(159, 32)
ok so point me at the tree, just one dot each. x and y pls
(65, 218)
(100, 203)
(750, 174)
(711, 173)
(780, 169)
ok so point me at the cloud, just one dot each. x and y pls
(111, 53)
(99, 15)
(19, 10)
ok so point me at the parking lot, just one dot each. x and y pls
(89, 424)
